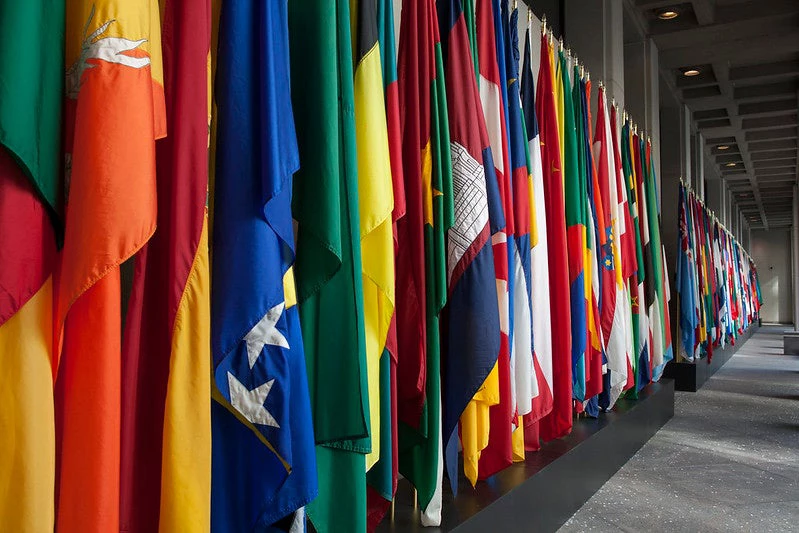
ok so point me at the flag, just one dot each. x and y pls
(614, 320)
(486, 421)
(640, 321)
(114, 112)
(166, 349)
(626, 246)
(472, 321)
(559, 422)
(421, 269)
(427, 170)
(329, 266)
(382, 478)
(31, 94)
(522, 364)
(574, 194)
(662, 353)
(263, 459)
(539, 253)
(685, 280)
(594, 225)
(375, 204)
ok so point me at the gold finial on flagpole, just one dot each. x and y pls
(560, 44)
(543, 20)
(515, 5)
(529, 15)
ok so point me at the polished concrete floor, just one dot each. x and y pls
(728, 461)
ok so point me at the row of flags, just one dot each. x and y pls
(354, 259)
(717, 282)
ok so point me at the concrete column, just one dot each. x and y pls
(685, 139)
(594, 31)
(699, 167)
(795, 258)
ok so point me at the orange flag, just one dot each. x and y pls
(114, 113)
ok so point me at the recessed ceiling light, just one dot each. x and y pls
(668, 14)
(691, 72)
(730, 164)
(723, 147)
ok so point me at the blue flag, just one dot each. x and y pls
(263, 466)
(685, 279)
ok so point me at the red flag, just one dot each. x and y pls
(559, 422)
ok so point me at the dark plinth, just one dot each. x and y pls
(541, 493)
(790, 342)
(690, 377)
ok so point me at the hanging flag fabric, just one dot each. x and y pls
(559, 422)
(166, 486)
(626, 249)
(597, 360)
(645, 368)
(471, 351)
(539, 267)
(638, 298)
(614, 321)
(663, 353)
(522, 341)
(382, 478)
(574, 194)
(114, 113)
(421, 268)
(31, 94)
(486, 421)
(263, 458)
(522, 365)
(594, 342)
(685, 281)
(328, 266)
(375, 203)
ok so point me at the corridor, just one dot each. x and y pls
(727, 461)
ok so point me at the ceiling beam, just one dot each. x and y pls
(740, 50)
(789, 68)
(758, 92)
(769, 122)
(763, 135)
(705, 11)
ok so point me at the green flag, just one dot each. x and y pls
(328, 264)
(32, 90)
(428, 188)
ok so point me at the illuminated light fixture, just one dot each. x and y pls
(668, 14)
(691, 72)
(731, 164)
(723, 147)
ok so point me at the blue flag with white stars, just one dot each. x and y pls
(263, 465)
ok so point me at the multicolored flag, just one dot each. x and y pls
(685, 281)
(575, 196)
(614, 321)
(114, 113)
(382, 478)
(166, 485)
(523, 369)
(471, 351)
(640, 320)
(627, 251)
(559, 422)
(329, 266)
(539, 253)
(263, 449)
(486, 422)
(375, 204)
(422, 267)
(31, 94)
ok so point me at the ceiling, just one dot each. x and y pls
(746, 93)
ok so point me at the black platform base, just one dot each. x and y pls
(540, 494)
(690, 377)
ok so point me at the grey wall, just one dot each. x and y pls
(771, 250)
